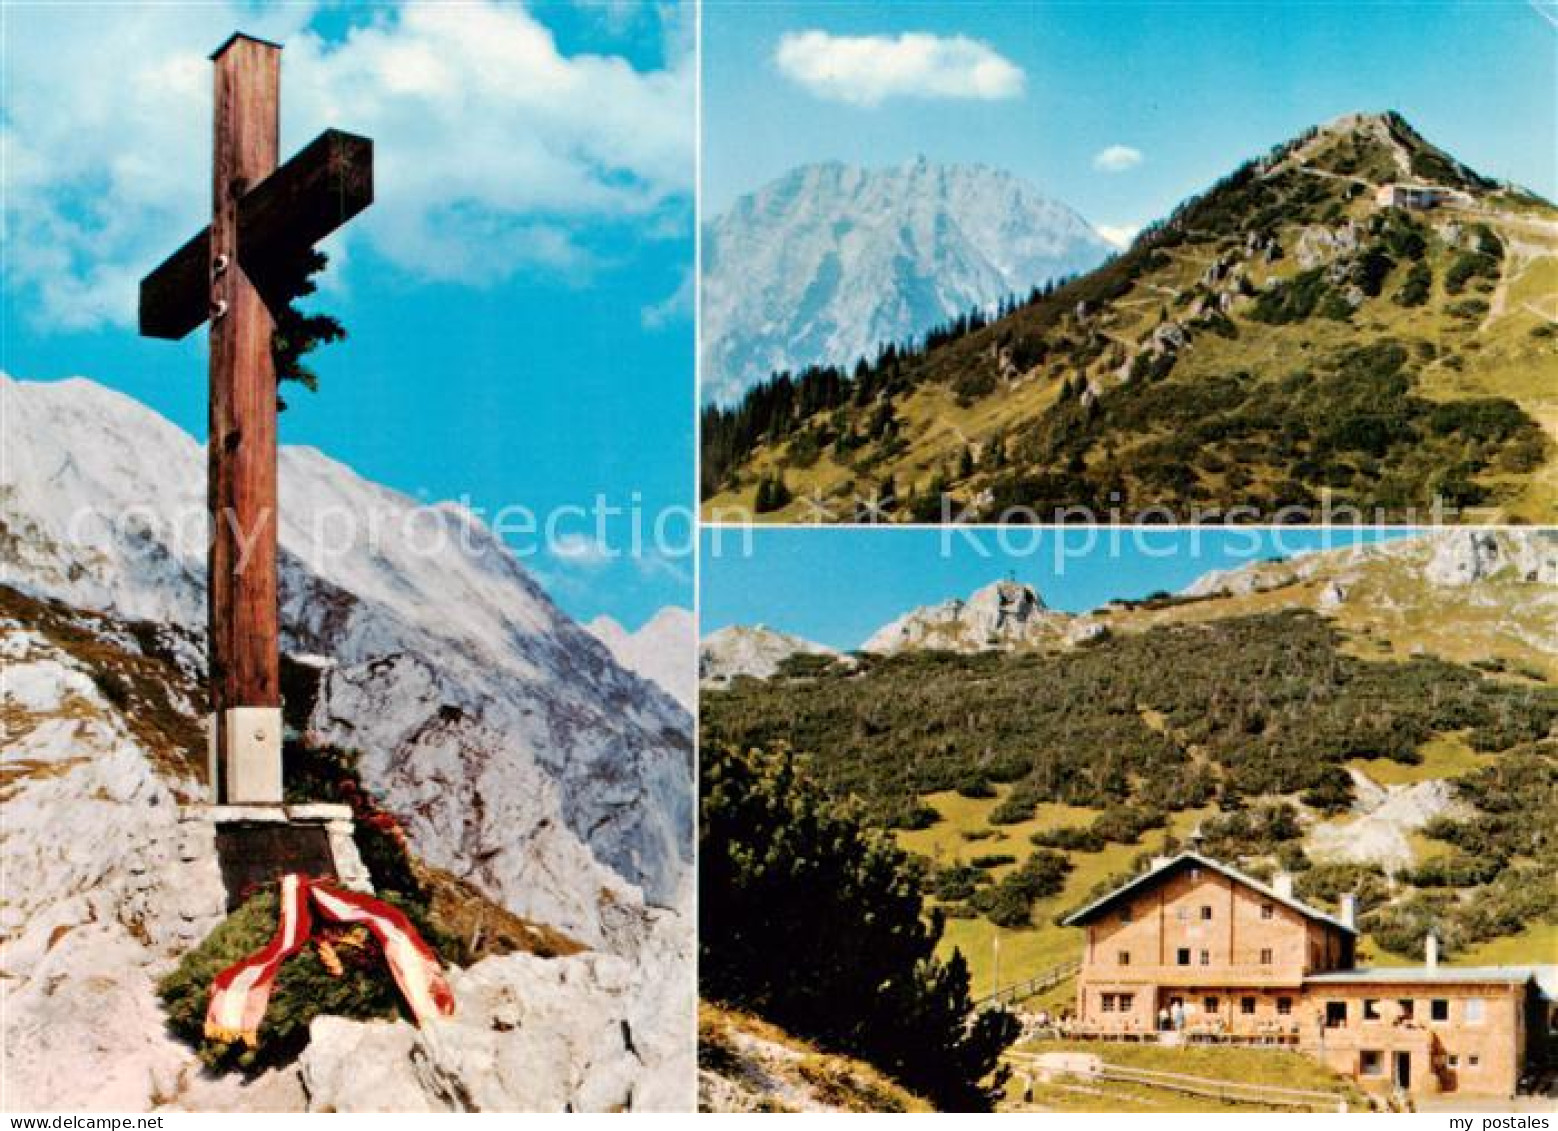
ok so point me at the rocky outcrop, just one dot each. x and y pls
(1450, 559)
(1003, 614)
(1319, 244)
(750, 650)
(1466, 557)
(1382, 817)
(1334, 594)
(1085, 631)
(110, 878)
(104, 887)
(748, 1065)
(530, 1034)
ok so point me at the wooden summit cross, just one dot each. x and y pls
(264, 221)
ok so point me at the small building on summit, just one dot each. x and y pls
(1198, 947)
(1418, 197)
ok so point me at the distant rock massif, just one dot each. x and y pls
(661, 650)
(753, 651)
(1442, 586)
(519, 755)
(832, 261)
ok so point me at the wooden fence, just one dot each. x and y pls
(1225, 1091)
(1028, 987)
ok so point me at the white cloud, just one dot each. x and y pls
(1120, 235)
(659, 563)
(866, 69)
(581, 551)
(674, 307)
(494, 151)
(1117, 159)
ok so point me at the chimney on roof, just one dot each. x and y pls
(1349, 909)
(1282, 884)
(1431, 951)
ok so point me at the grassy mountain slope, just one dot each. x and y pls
(1277, 708)
(1282, 338)
(747, 1064)
(1278, 1069)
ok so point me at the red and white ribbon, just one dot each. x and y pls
(241, 993)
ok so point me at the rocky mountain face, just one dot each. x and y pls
(755, 651)
(830, 262)
(1243, 352)
(1004, 614)
(519, 755)
(661, 650)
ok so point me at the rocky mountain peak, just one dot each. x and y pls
(537, 793)
(661, 650)
(750, 650)
(518, 756)
(1007, 599)
(832, 261)
(1379, 147)
(1003, 614)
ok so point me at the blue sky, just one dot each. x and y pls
(837, 585)
(1191, 88)
(518, 297)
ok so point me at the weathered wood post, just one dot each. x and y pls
(244, 603)
(263, 221)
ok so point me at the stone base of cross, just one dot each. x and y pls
(264, 220)
(256, 843)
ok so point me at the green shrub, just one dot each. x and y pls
(1070, 838)
(1468, 267)
(976, 786)
(1483, 419)
(1124, 824)
(993, 860)
(772, 494)
(1069, 728)
(1291, 300)
(1009, 901)
(973, 383)
(1458, 870)
(805, 449)
(957, 883)
(1488, 242)
(320, 772)
(1325, 884)
(1416, 286)
(304, 988)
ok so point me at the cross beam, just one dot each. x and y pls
(263, 221)
(329, 181)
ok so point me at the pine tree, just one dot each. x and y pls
(298, 334)
(814, 922)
